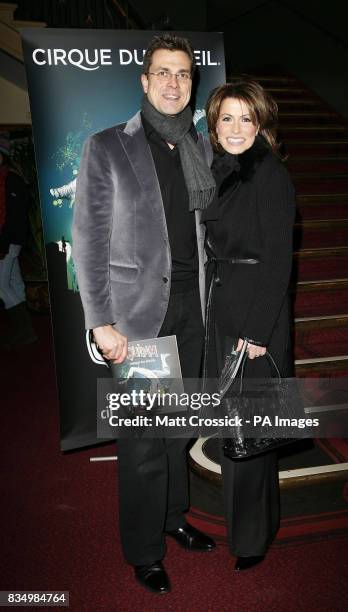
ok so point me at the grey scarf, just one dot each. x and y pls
(175, 130)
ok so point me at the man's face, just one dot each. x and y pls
(170, 96)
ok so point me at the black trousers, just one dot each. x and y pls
(250, 486)
(251, 497)
(153, 477)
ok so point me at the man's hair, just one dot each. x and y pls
(172, 43)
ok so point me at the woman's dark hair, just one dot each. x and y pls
(263, 109)
(172, 43)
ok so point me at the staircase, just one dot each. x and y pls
(14, 101)
(10, 40)
(316, 140)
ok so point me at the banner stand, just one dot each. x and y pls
(94, 459)
(81, 82)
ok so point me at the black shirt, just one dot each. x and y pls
(180, 221)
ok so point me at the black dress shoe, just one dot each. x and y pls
(244, 563)
(190, 538)
(153, 577)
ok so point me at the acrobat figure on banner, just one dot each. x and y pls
(64, 247)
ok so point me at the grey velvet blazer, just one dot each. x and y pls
(120, 241)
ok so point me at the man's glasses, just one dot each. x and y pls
(165, 75)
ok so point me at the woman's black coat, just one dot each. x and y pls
(252, 216)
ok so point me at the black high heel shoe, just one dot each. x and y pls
(245, 563)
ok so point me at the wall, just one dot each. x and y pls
(14, 104)
(274, 35)
(189, 15)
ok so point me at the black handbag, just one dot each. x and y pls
(268, 399)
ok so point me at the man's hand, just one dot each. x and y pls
(113, 345)
(252, 349)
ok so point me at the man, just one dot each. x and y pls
(139, 191)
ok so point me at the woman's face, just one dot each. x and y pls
(234, 127)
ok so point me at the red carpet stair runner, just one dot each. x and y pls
(316, 140)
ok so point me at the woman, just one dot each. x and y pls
(251, 219)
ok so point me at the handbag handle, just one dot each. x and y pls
(229, 380)
(245, 358)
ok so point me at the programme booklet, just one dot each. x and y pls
(153, 366)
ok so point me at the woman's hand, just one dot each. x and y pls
(253, 349)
